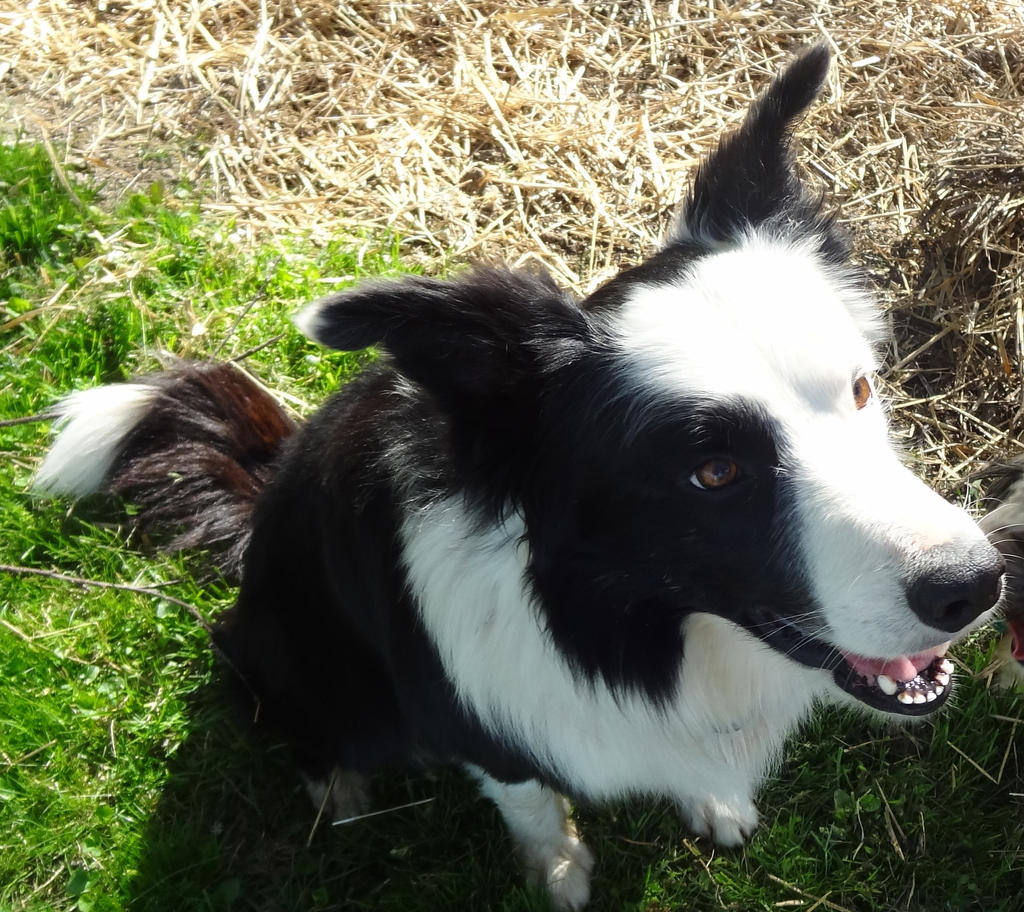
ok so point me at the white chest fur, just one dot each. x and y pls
(735, 703)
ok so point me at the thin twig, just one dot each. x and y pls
(58, 170)
(234, 359)
(398, 807)
(29, 419)
(24, 758)
(139, 590)
(323, 806)
(103, 584)
(820, 900)
(260, 294)
(975, 764)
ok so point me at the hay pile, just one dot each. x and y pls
(563, 132)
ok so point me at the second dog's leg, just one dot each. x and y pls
(538, 820)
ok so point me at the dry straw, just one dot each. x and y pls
(563, 133)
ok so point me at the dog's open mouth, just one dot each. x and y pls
(906, 685)
(910, 685)
(1016, 627)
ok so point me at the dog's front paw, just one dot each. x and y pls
(728, 822)
(564, 870)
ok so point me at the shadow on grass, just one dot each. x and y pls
(873, 818)
(865, 816)
(234, 830)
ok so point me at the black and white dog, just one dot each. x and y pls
(589, 548)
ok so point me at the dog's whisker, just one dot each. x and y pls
(1006, 541)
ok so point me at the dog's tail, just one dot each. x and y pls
(190, 449)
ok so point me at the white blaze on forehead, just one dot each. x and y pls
(766, 321)
(768, 324)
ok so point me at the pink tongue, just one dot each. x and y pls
(1017, 628)
(904, 668)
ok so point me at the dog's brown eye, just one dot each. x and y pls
(861, 391)
(714, 474)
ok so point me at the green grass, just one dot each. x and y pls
(124, 785)
(43, 223)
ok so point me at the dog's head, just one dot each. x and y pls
(700, 435)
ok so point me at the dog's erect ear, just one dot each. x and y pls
(749, 180)
(468, 338)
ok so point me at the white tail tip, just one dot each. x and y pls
(92, 425)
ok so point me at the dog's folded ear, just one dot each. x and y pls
(749, 181)
(468, 337)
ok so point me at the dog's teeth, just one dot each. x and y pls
(942, 678)
(939, 689)
(931, 695)
(920, 698)
(904, 697)
(887, 685)
(946, 667)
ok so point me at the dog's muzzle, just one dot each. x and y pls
(951, 588)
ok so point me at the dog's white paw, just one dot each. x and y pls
(564, 871)
(539, 822)
(343, 794)
(728, 823)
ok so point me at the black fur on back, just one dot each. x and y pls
(479, 346)
(324, 630)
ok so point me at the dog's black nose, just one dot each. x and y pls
(953, 584)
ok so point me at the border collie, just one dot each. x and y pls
(597, 548)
